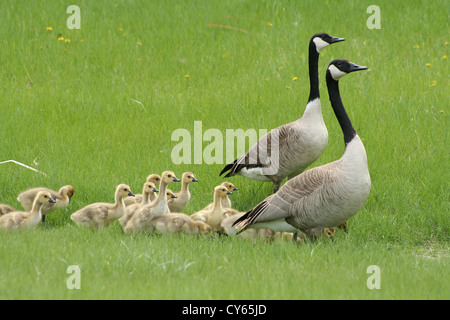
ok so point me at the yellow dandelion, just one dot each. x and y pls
(81, 40)
(186, 76)
(120, 29)
(444, 57)
(139, 44)
(61, 38)
(433, 83)
(41, 47)
(138, 59)
(294, 78)
(287, 87)
(416, 46)
(67, 40)
(441, 111)
(446, 43)
(428, 64)
(269, 24)
(281, 68)
(267, 79)
(49, 28)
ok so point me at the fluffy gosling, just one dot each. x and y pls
(100, 215)
(62, 198)
(184, 195)
(18, 220)
(141, 220)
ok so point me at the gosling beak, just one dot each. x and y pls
(51, 200)
(194, 180)
(131, 194)
(173, 196)
(235, 189)
(175, 179)
(336, 39)
(229, 192)
(155, 190)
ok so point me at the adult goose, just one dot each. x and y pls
(324, 196)
(289, 149)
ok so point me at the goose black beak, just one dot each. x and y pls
(173, 196)
(194, 180)
(235, 189)
(355, 67)
(229, 192)
(336, 39)
(155, 190)
(175, 179)
(51, 200)
(131, 194)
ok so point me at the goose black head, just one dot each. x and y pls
(322, 40)
(340, 67)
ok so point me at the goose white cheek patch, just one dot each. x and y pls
(320, 44)
(336, 74)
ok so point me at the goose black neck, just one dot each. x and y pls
(313, 72)
(339, 110)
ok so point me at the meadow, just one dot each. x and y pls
(96, 106)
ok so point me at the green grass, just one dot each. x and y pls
(73, 107)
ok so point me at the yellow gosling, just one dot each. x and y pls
(100, 215)
(142, 218)
(18, 220)
(183, 197)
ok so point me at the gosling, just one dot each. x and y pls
(62, 197)
(148, 190)
(18, 220)
(153, 178)
(226, 202)
(183, 197)
(213, 216)
(4, 209)
(141, 220)
(100, 215)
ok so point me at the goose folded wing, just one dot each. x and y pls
(281, 204)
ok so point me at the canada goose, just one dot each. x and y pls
(141, 219)
(147, 190)
(175, 222)
(324, 196)
(182, 197)
(4, 209)
(213, 216)
(293, 146)
(18, 220)
(62, 198)
(100, 215)
(153, 178)
(226, 202)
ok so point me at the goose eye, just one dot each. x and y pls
(169, 175)
(189, 177)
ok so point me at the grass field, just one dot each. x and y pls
(98, 107)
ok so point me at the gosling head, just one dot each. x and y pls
(123, 190)
(155, 178)
(188, 177)
(341, 67)
(44, 197)
(329, 232)
(68, 190)
(229, 186)
(149, 188)
(221, 191)
(170, 194)
(323, 40)
(169, 177)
